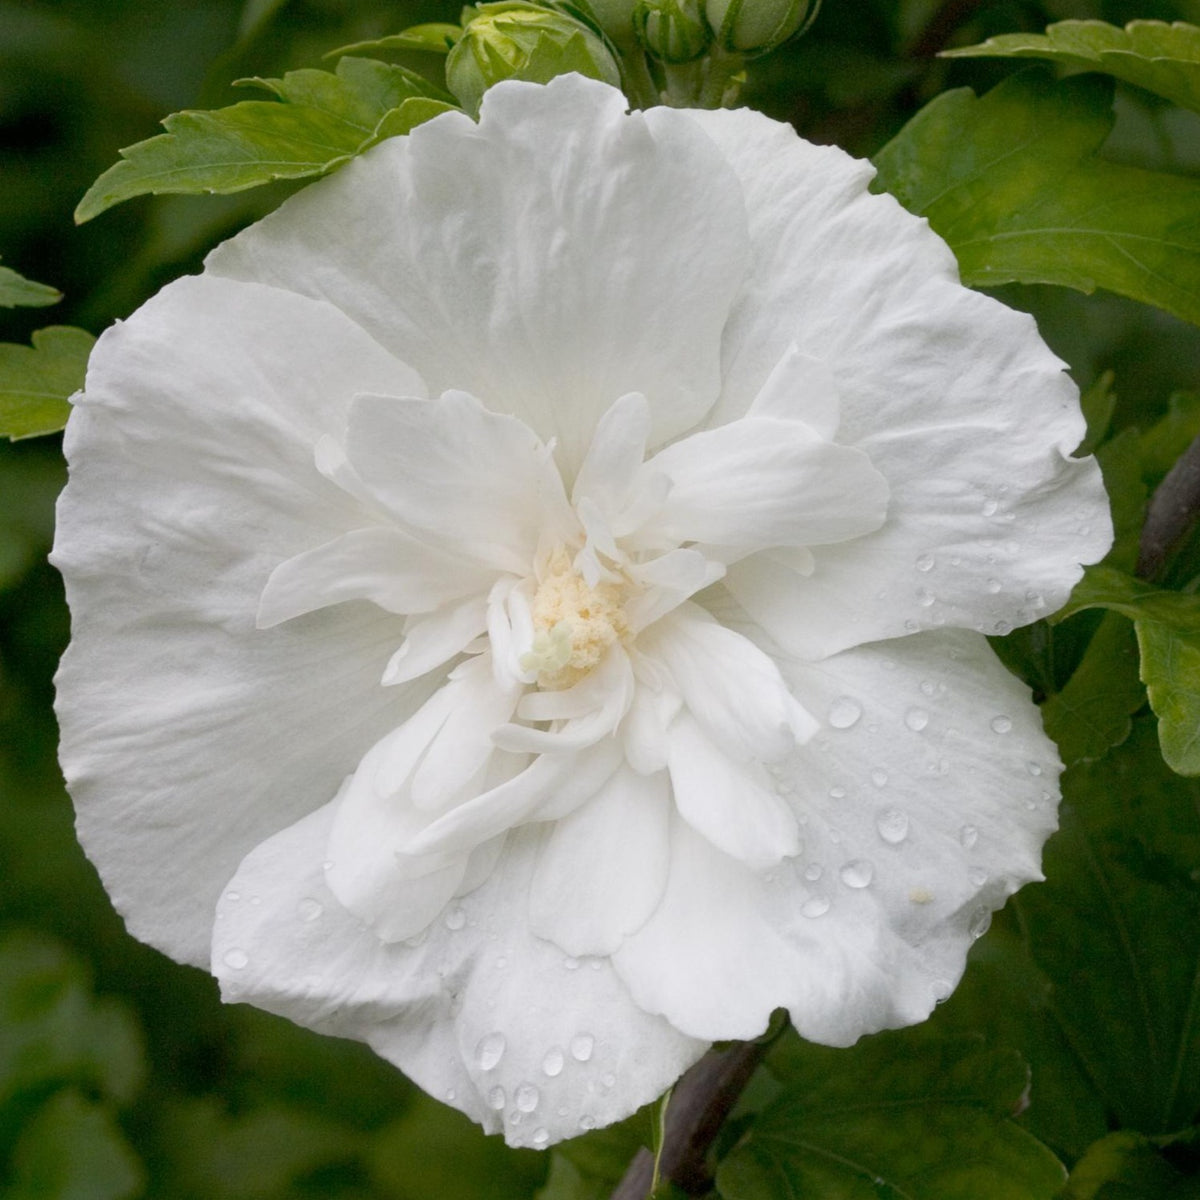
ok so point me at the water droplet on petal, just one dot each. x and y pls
(527, 1097)
(237, 959)
(980, 923)
(496, 1098)
(968, 835)
(309, 909)
(838, 793)
(540, 1137)
(450, 1095)
(582, 1045)
(844, 713)
(233, 896)
(327, 865)
(879, 777)
(989, 508)
(925, 562)
(994, 586)
(490, 1051)
(858, 874)
(815, 906)
(609, 1080)
(552, 1064)
(1033, 768)
(892, 824)
(812, 872)
(916, 719)
(978, 876)
(455, 918)
(586, 1122)
(1001, 724)
(572, 964)
(925, 598)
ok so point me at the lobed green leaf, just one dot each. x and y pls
(869, 1122)
(16, 290)
(1105, 587)
(1162, 58)
(1013, 183)
(1171, 672)
(37, 381)
(318, 121)
(436, 37)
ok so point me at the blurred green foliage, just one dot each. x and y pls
(1073, 1043)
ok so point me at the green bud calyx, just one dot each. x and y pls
(673, 31)
(757, 26)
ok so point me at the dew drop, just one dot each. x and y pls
(925, 598)
(1001, 724)
(925, 562)
(980, 923)
(928, 687)
(527, 1097)
(586, 1122)
(838, 793)
(456, 918)
(1002, 628)
(490, 1050)
(540, 1137)
(237, 959)
(572, 964)
(327, 865)
(608, 1080)
(233, 896)
(815, 906)
(968, 835)
(496, 1098)
(989, 508)
(812, 872)
(994, 586)
(879, 777)
(892, 824)
(451, 1094)
(858, 874)
(552, 1064)
(916, 719)
(911, 626)
(844, 713)
(1033, 768)
(309, 909)
(582, 1045)
(978, 876)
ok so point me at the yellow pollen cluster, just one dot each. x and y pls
(574, 624)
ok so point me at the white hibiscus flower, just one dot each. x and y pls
(529, 597)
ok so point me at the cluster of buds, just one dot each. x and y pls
(536, 40)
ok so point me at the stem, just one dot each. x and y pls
(699, 1105)
(639, 84)
(1173, 511)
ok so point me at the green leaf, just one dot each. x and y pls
(1171, 673)
(1116, 929)
(1170, 436)
(1098, 403)
(54, 1032)
(1162, 58)
(1121, 465)
(1128, 1166)
(436, 37)
(1106, 587)
(73, 1150)
(16, 290)
(1094, 711)
(319, 121)
(36, 381)
(1012, 182)
(891, 1118)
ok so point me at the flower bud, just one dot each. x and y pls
(672, 30)
(756, 26)
(615, 17)
(522, 41)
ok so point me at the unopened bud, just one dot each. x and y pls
(615, 17)
(672, 30)
(756, 26)
(521, 41)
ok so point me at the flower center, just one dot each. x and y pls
(574, 624)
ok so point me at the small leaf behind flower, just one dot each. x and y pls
(16, 290)
(318, 121)
(1012, 181)
(1171, 673)
(893, 1117)
(1162, 58)
(36, 381)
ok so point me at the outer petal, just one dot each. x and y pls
(953, 396)
(924, 806)
(480, 1013)
(188, 736)
(528, 259)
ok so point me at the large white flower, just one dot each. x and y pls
(529, 598)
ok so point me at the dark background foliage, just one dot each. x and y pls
(120, 1072)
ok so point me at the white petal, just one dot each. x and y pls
(762, 482)
(480, 483)
(800, 388)
(187, 734)
(442, 243)
(384, 565)
(614, 459)
(668, 580)
(954, 397)
(431, 640)
(644, 730)
(736, 806)
(565, 1051)
(732, 688)
(603, 867)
